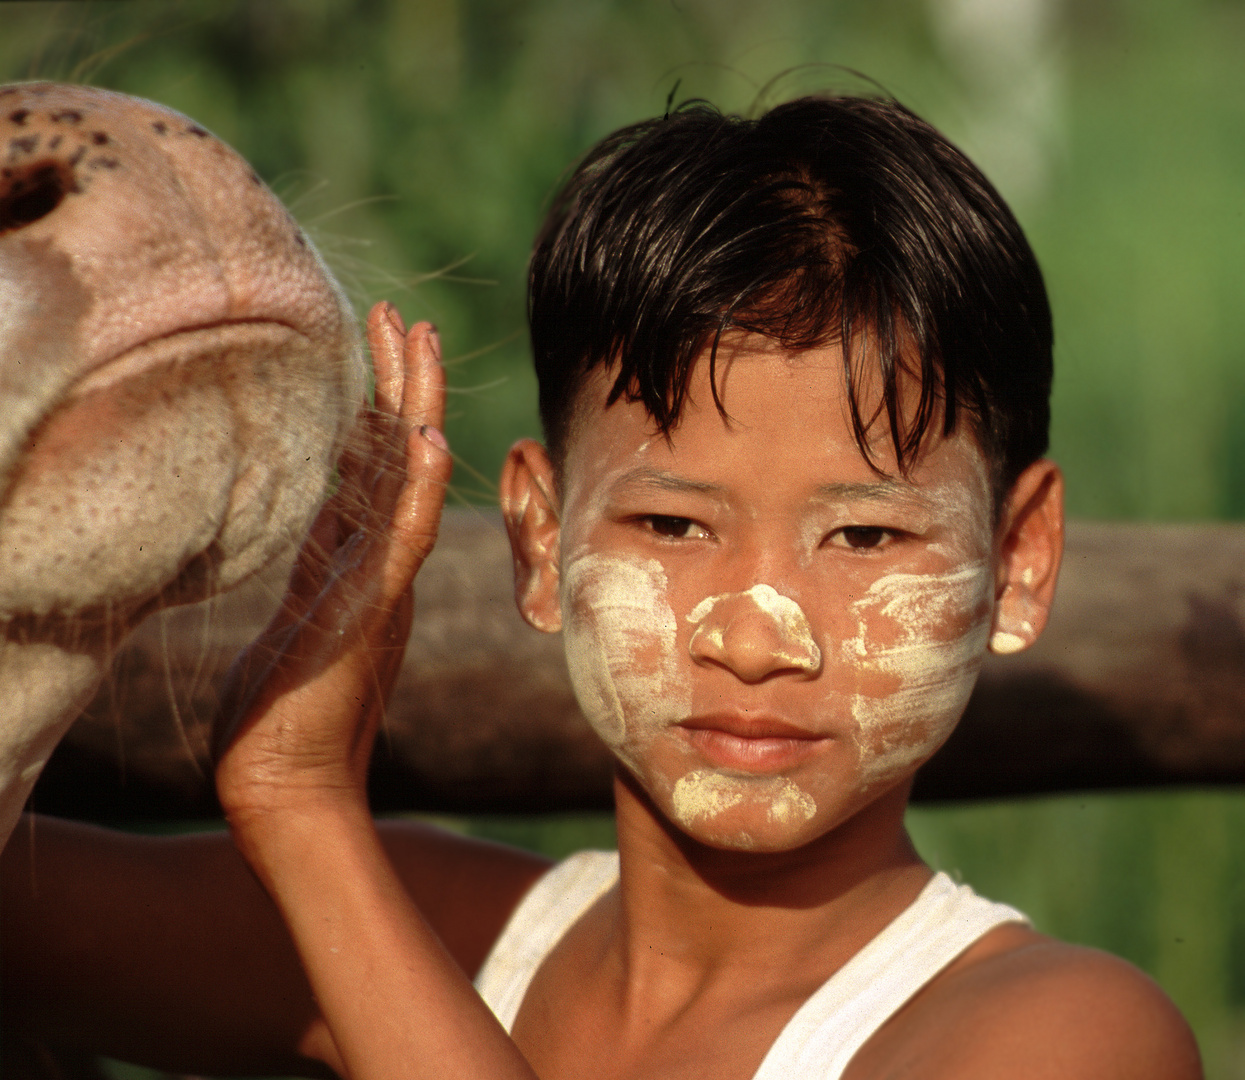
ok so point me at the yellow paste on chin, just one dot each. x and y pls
(703, 794)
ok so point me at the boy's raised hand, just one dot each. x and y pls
(305, 700)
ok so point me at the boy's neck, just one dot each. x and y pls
(820, 902)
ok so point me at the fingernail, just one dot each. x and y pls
(435, 339)
(433, 436)
(395, 320)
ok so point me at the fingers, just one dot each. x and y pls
(409, 392)
(410, 380)
(394, 480)
(417, 512)
(386, 336)
(423, 401)
(409, 467)
(349, 609)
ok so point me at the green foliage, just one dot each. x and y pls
(419, 141)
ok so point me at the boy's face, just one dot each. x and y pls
(766, 632)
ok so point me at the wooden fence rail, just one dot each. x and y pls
(1139, 681)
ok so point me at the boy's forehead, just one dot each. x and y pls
(794, 403)
(738, 351)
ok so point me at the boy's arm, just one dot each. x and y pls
(168, 952)
(308, 702)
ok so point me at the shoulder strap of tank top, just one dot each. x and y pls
(869, 989)
(550, 908)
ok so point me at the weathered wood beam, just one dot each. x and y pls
(1139, 681)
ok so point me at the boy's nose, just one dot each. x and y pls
(754, 634)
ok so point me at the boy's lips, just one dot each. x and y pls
(751, 744)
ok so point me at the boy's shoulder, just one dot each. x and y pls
(1026, 1006)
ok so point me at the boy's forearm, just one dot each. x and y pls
(292, 773)
(163, 951)
(394, 1001)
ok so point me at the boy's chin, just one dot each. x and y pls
(741, 813)
(698, 811)
(876, 811)
(764, 814)
(748, 840)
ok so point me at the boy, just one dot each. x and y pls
(794, 378)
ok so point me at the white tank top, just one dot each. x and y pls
(828, 1029)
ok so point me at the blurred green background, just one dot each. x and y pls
(419, 140)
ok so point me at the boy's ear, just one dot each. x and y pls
(1031, 547)
(531, 513)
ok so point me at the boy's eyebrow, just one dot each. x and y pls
(880, 489)
(896, 491)
(664, 481)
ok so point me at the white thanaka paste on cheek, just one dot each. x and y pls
(937, 627)
(620, 635)
(793, 645)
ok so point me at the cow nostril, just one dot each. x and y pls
(29, 195)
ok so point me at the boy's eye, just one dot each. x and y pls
(679, 528)
(861, 537)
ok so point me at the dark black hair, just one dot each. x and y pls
(825, 218)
